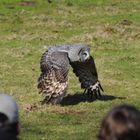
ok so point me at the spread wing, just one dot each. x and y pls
(54, 76)
(87, 74)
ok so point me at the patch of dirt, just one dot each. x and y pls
(30, 107)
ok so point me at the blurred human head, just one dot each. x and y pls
(121, 123)
(9, 116)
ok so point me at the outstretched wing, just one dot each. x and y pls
(54, 75)
(87, 74)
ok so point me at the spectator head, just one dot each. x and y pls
(121, 123)
(9, 116)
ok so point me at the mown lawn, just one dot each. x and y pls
(111, 28)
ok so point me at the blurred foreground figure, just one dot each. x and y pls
(9, 118)
(121, 123)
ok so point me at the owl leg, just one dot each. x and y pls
(93, 94)
(58, 99)
(96, 89)
(99, 93)
(88, 93)
(85, 91)
(100, 87)
(54, 99)
(96, 93)
(46, 100)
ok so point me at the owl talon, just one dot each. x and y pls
(95, 90)
(85, 91)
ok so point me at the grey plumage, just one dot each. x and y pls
(74, 51)
(54, 65)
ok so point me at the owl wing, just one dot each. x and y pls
(54, 76)
(57, 61)
(88, 77)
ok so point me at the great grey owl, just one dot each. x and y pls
(54, 65)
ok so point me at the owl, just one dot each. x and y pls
(54, 66)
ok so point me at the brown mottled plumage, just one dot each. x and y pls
(53, 80)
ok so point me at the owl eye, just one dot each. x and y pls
(85, 54)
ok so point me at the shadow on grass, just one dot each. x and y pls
(79, 97)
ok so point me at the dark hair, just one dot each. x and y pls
(121, 123)
(3, 118)
(5, 126)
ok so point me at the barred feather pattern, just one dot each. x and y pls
(53, 81)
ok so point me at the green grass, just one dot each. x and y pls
(111, 28)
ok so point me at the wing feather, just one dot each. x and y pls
(57, 61)
(54, 76)
(86, 72)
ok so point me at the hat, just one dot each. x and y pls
(9, 108)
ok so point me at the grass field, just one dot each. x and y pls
(111, 28)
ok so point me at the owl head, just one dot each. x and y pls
(78, 52)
